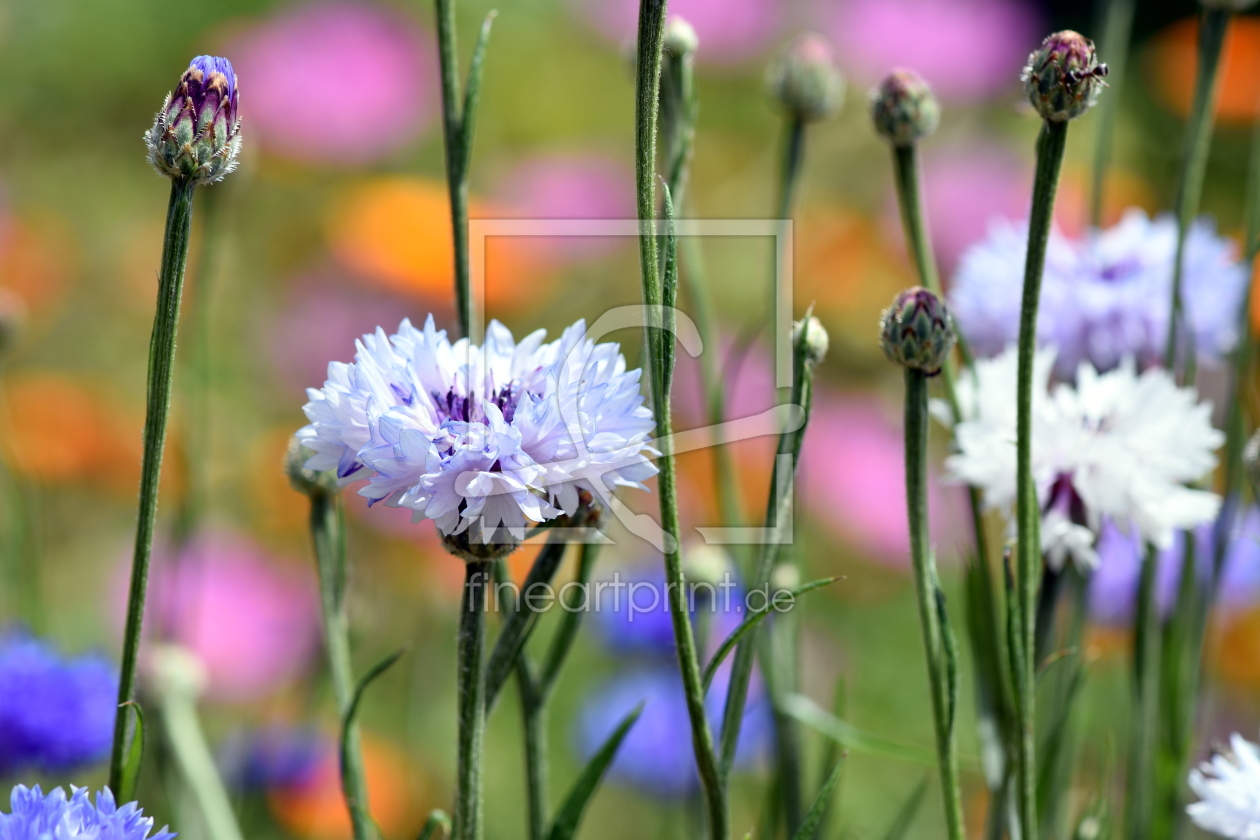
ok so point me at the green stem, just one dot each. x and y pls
(157, 411)
(1198, 139)
(1050, 146)
(327, 522)
(1117, 31)
(916, 427)
(566, 633)
(1146, 658)
(534, 722)
(471, 691)
(647, 89)
(196, 763)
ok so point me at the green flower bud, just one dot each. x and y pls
(197, 134)
(904, 109)
(306, 482)
(805, 79)
(917, 331)
(811, 333)
(1063, 78)
(680, 37)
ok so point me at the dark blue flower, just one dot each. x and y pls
(56, 714)
(632, 610)
(274, 756)
(656, 757)
(35, 816)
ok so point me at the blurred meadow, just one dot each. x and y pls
(337, 222)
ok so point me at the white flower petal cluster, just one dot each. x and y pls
(502, 434)
(1228, 788)
(1120, 445)
(1106, 295)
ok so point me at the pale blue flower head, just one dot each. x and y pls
(482, 439)
(1106, 296)
(56, 714)
(36, 816)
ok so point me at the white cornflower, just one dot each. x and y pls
(1118, 445)
(1228, 788)
(1106, 295)
(491, 437)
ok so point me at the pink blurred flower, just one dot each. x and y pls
(337, 81)
(579, 186)
(964, 190)
(965, 49)
(730, 31)
(253, 623)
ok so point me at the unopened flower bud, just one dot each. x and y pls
(917, 331)
(805, 79)
(904, 108)
(785, 577)
(305, 481)
(197, 134)
(809, 334)
(706, 564)
(680, 37)
(1063, 78)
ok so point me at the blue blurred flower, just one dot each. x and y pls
(632, 613)
(1114, 584)
(274, 756)
(1105, 296)
(656, 757)
(35, 816)
(55, 714)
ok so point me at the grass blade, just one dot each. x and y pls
(565, 825)
(813, 819)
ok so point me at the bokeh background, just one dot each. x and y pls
(337, 222)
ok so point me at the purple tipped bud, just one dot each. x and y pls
(917, 331)
(904, 108)
(1063, 78)
(805, 79)
(680, 37)
(197, 134)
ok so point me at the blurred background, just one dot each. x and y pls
(337, 222)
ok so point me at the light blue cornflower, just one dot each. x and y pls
(34, 816)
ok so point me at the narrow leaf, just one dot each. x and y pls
(566, 822)
(813, 819)
(669, 293)
(905, 817)
(950, 644)
(352, 711)
(437, 821)
(809, 713)
(131, 765)
(520, 622)
(472, 93)
(749, 622)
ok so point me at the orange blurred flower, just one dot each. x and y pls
(1172, 63)
(396, 232)
(34, 261)
(1238, 653)
(59, 428)
(316, 810)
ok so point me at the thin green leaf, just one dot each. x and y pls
(813, 819)
(994, 712)
(562, 641)
(669, 292)
(437, 821)
(565, 825)
(950, 644)
(809, 713)
(520, 623)
(131, 765)
(472, 93)
(905, 817)
(352, 711)
(751, 621)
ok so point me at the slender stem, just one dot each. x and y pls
(327, 523)
(157, 410)
(647, 88)
(1117, 29)
(1050, 146)
(471, 698)
(1146, 652)
(456, 157)
(916, 427)
(1198, 139)
(534, 722)
(196, 763)
(562, 642)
